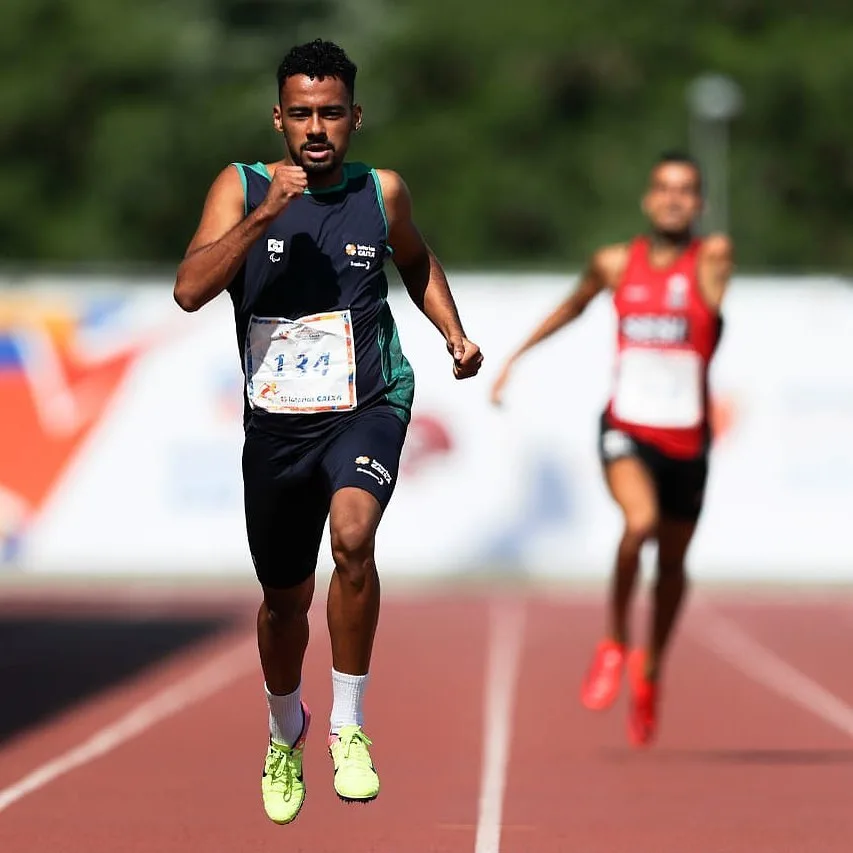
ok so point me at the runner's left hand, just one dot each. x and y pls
(467, 357)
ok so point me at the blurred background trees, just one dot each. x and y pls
(525, 131)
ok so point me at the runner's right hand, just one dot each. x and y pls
(287, 183)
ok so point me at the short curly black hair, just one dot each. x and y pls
(318, 59)
(676, 155)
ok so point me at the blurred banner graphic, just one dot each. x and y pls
(122, 438)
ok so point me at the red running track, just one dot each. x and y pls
(755, 752)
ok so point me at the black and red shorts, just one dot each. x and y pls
(680, 483)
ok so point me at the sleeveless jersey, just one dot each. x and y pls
(666, 338)
(316, 336)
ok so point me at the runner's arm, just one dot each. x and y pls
(601, 272)
(423, 275)
(220, 244)
(419, 268)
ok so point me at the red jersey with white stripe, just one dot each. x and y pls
(667, 335)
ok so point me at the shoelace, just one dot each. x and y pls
(359, 737)
(279, 768)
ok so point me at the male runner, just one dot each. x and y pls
(299, 245)
(667, 290)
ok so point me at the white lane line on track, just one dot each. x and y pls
(506, 639)
(730, 642)
(208, 679)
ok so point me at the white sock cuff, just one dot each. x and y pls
(286, 719)
(350, 679)
(347, 706)
(275, 696)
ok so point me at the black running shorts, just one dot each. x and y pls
(680, 483)
(288, 488)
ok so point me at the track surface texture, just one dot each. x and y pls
(479, 736)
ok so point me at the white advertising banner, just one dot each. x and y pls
(122, 436)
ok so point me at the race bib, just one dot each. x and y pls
(659, 388)
(301, 366)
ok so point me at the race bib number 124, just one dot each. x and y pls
(301, 366)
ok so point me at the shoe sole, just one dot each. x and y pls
(352, 800)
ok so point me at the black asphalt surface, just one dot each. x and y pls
(48, 664)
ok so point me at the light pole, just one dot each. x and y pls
(714, 100)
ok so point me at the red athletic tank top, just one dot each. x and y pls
(666, 338)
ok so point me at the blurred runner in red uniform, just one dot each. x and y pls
(667, 289)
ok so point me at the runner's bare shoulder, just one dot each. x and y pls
(609, 263)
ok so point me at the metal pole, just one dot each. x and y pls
(721, 150)
(715, 165)
(713, 100)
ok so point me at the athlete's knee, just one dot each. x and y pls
(640, 526)
(283, 605)
(352, 549)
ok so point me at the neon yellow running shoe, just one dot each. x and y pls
(282, 785)
(356, 779)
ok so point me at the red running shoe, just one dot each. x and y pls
(602, 681)
(642, 713)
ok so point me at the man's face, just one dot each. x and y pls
(317, 118)
(673, 199)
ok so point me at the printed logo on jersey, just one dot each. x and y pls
(373, 468)
(676, 290)
(360, 254)
(652, 328)
(275, 249)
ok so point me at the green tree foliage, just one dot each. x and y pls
(546, 116)
(117, 115)
(525, 131)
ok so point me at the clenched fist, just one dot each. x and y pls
(287, 183)
(467, 357)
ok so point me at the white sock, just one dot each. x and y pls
(348, 693)
(286, 717)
